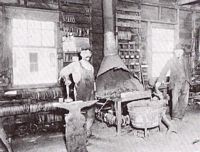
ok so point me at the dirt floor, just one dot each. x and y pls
(105, 139)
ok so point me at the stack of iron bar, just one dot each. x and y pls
(26, 108)
(53, 93)
(34, 108)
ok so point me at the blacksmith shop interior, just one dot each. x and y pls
(99, 75)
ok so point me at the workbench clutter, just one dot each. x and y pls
(124, 35)
(76, 25)
(117, 115)
(143, 112)
(75, 31)
(38, 123)
(110, 118)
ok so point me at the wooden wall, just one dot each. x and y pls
(162, 12)
(1, 35)
(185, 20)
(96, 31)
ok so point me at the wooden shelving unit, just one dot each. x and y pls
(128, 37)
(76, 23)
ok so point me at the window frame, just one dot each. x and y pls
(32, 14)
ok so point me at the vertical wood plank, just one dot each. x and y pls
(177, 28)
(149, 49)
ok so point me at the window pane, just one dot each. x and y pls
(162, 40)
(34, 69)
(52, 57)
(19, 36)
(33, 58)
(19, 23)
(34, 37)
(34, 24)
(48, 25)
(162, 48)
(33, 33)
(48, 38)
(158, 62)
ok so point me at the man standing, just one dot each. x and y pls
(179, 82)
(82, 73)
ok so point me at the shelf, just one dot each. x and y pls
(67, 61)
(128, 50)
(128, 24)
(130, 1)
(126, 43)
(129, 57)
(134, 64)
(134, 70)
(128, 10)
(71, 52)
(128, 17)
(144, 66)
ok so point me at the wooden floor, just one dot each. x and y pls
(105, 139)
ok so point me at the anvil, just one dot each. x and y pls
(75, 128)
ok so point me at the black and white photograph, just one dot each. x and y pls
(99, 75)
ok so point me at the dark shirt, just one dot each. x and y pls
(179, 71)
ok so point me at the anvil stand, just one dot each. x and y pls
(75, 128)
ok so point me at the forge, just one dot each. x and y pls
(113, 77)
(114, 80)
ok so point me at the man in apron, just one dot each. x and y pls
(82, 73)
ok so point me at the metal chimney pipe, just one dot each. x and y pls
(109, 38)
(111, 58)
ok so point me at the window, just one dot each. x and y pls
(162, 48)
(34, 52)
(33, 33)
(33, 62)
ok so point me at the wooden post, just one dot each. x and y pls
(119, 116)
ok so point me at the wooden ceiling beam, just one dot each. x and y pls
(184, 2)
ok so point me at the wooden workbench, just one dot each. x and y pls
(125, 98)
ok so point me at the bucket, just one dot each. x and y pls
(145, 117)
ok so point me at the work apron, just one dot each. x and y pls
(85, 87)
(85, 92)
